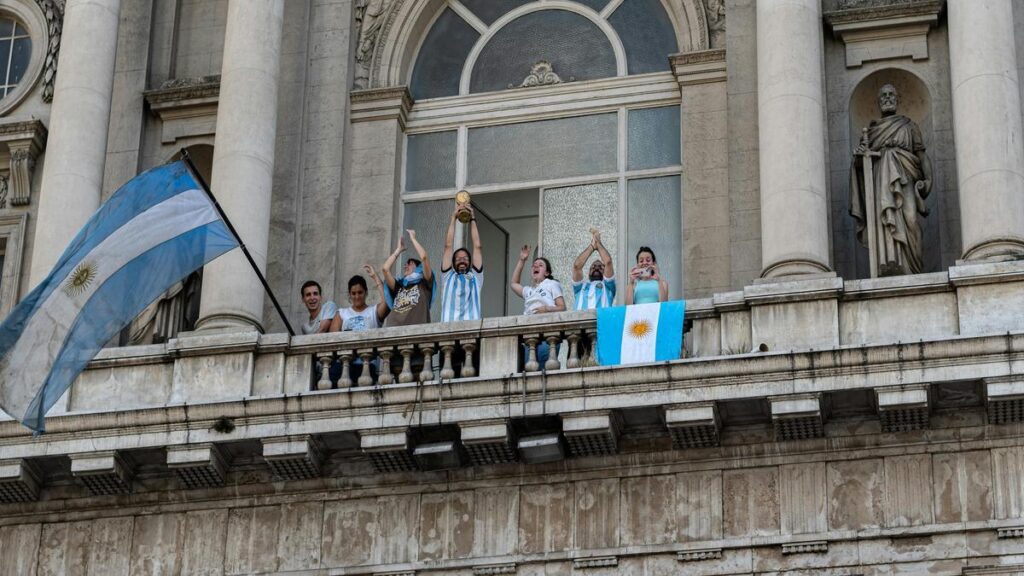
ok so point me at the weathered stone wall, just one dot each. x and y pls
(928, 501)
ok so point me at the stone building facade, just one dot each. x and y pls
(825, 419)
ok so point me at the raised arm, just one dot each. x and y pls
(428, 275)
(382, 305)
(449, 241)
(662, 283)
(581, 261)
(474, 235)
(385, 268)
(516, 276)
(606, 258)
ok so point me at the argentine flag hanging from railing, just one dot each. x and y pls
(154, 231)
(640, 333)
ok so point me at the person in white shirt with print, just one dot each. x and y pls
(598, 291)
(463, 278)
(360, 316)
(543, 296)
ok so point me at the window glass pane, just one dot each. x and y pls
(20, 58)
(569, 214)
(430, 221)
(576, 48)
(6, 27)
(19, 30)
(653, 137)
(490, 10)
(654, 219)
(441, 58)
(5, 55)
(540, 150)
(646, 33)
(431, 161)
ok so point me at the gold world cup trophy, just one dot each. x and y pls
(463, 200)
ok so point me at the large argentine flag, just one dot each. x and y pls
(153, 232)
(640, 333)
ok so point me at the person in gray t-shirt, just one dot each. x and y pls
(320, 313)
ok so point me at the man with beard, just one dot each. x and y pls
(599, 289)
(462, 278)
(902, 181)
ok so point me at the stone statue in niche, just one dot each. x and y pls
(369, 20)
(890, 179)
(715, 10)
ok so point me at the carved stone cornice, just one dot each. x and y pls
(179, 90)
(855, 11)
(699, 67)
(391, 103)
(187, 106)
(873, 31)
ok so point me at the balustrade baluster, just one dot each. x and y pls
(324, 383)
(406, 374)
(592, 349)
(385, 376)
(531, 364)
(552, 362)
(447, 372)
(365, 377)
(427, 374)
(468, 371)
(573, 361)
(346, 374)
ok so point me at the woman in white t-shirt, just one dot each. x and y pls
(543, 296)
(360, 316)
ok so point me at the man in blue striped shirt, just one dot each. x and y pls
(463, 278)
(598, 291)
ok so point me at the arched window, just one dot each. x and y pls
(15, 54)
(557, 116)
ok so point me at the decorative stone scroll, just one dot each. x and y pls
(54, 12)
(541, 74)
(24, 142)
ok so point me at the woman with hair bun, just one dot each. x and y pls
(645, 283)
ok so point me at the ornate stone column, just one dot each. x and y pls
(987, 128)
(243, 160)
(72, 181)
(790, 102)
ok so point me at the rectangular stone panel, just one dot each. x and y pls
(157, 544)
(110, 543)
(298, 545)
(252, 539)
(1008, 482)
(349, 532)
(205, 532)
(908, 490)
(19, 548)
(596, 518)
(855, 494)
(699, 505)
(963, 486)
(63, 549)
(803, 498)
(495, 525)
(750, 505)
(200, 379)
(545, 518)
(648, 510)
(397, 529)
(446, 525)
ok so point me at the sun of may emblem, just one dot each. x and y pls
(80, 279)
(640, 329)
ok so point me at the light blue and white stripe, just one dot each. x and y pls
(154, 231)
(591, 294)
(460, 299)
(640, 333)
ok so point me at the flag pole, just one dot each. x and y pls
(199, 178)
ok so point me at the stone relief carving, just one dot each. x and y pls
(715, 10)
(890, 179)
(369, 21)
(54, 12)
(541, 74)
(176, 310)
(3, 192)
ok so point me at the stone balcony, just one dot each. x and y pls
(775, 363)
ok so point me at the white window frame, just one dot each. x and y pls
(29, 15)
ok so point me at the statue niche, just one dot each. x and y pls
(890, 179)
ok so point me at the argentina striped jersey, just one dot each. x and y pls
(592, 294)
(460, 297)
